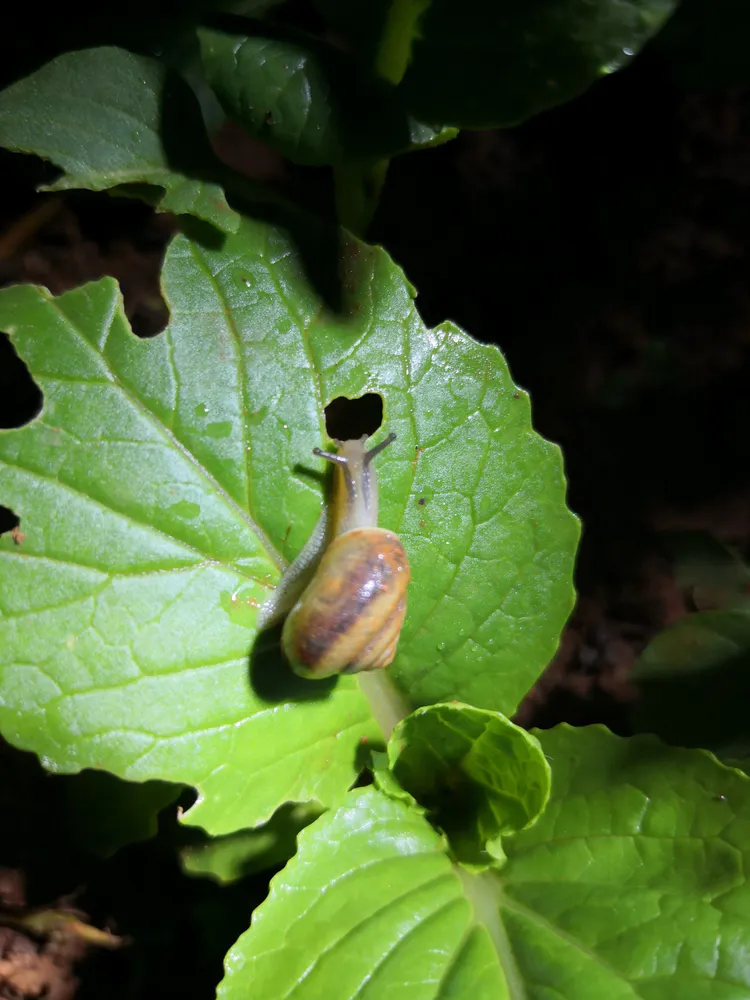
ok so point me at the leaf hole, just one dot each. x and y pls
(348, 419)
(8, 520)
(20, 396)
(128, 240)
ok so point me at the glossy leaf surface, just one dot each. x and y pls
(166, 482)
(369, 907)
(630, 885)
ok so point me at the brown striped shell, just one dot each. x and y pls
(349, 617)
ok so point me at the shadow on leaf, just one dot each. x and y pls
(272, 679)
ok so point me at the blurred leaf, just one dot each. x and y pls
(740, 763)
(715, 575)
(494, 63)
(307, 100)
(111, 119)
(246, 852)
(694, 681)
(705, 44)
(479, 775)
(484, 64)
(362, 23)
(62, 924)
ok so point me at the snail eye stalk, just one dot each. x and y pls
(369, 455)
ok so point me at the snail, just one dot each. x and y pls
(346, 591)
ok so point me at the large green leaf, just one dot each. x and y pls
(165, 483)
(308, 100)
(111, 119)
(369, 907)
(490, 63)
(631, 885)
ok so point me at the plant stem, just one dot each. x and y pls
(387, 703)
(393, 52)
(485, 895)
(358, 185)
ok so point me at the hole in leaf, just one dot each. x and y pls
(128, 240)
(348, 419)
(20, 397)
(8, 520)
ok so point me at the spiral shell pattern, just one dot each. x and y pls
(349, 617)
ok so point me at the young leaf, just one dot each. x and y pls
(166, 481)
(494, 63)
(109, 118)
(308, 100)
(631, 884)
(479, 775)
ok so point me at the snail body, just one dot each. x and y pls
(347, 589)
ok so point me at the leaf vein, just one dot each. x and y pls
(165, 432)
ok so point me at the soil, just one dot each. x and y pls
(605, 248)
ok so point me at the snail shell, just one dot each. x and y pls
(350, 616)
(347, 588)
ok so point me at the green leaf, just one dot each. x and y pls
(369, 907)
(694, 681)
(308, 100)
(715, 575)
(631, 885)
(633, 882)
(105, 813)
(494, 63)
(166, 481)
(479, 775)
(246, 852)
(111, 119)
(384, 780)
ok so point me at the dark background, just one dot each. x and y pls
(604, 246)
